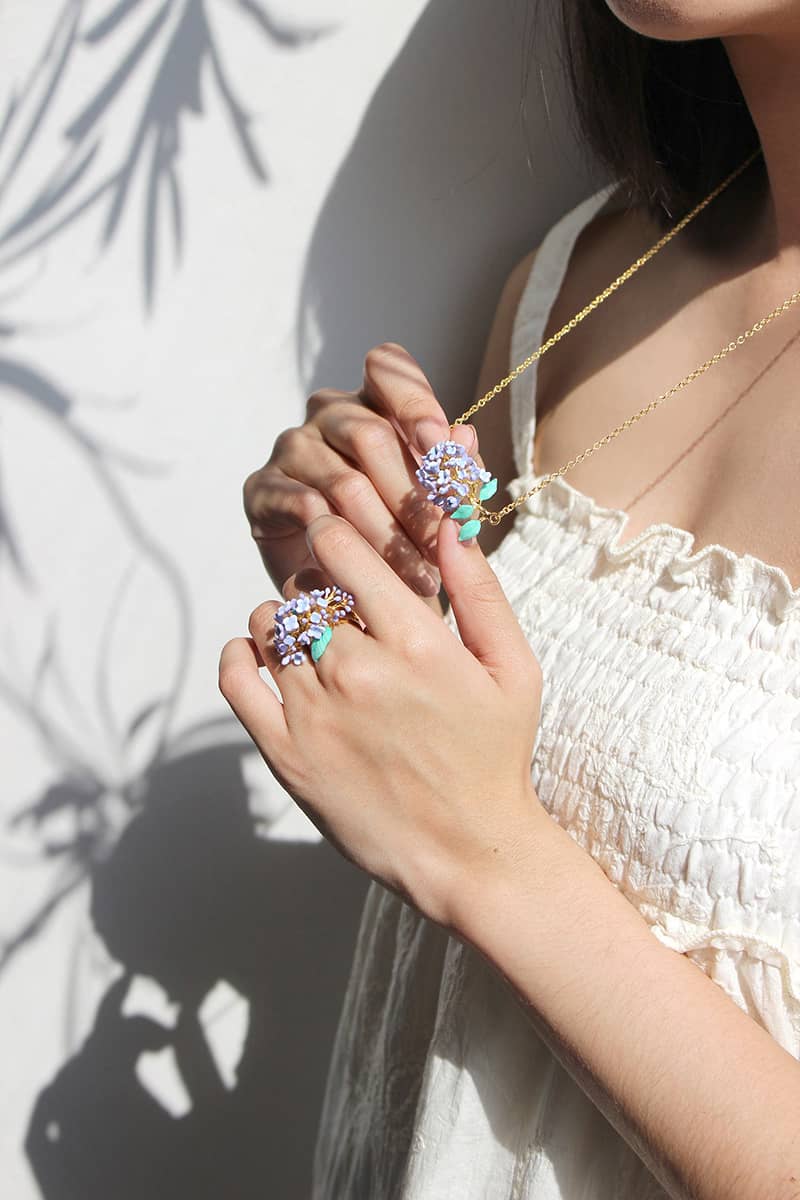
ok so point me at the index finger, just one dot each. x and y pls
(389, 609)
(395, 385)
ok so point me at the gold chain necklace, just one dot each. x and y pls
(454, 480)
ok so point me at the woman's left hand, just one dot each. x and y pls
(408, 749)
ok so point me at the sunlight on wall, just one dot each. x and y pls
(181, 186)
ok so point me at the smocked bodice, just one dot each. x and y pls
(669, 748)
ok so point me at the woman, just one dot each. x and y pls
(592, 791)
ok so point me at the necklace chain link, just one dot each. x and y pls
(494, 517)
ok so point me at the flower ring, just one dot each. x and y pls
(307, 620)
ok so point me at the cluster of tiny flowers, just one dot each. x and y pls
(304, 618)
(450, 474)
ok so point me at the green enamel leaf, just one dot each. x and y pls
(488, 489)
(469, 530)
(462, 512)
(319, 644)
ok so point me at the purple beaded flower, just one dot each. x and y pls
(307, 620)
(456, 483)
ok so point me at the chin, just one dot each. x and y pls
(690, 20)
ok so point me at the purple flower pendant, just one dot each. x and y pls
(307, 620)
(456, 483)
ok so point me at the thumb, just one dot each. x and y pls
(486, 621)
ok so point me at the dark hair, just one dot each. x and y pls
(668, 119)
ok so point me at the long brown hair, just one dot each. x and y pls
(667, 119)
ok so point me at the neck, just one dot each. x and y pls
(768, 71)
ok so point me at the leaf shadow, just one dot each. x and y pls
(180, 37)
(190, 896)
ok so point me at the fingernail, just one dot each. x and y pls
(428, 433)
(426, 585)
(472, 440)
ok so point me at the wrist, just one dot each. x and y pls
(516, 857)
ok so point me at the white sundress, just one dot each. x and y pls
(669, 748)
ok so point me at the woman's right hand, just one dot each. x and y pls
(355, 455)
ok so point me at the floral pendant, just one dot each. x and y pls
(457, 484)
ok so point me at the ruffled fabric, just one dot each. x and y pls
(669, 749)
(740, 579)
(678, 764)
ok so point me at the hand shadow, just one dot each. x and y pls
(191, 896)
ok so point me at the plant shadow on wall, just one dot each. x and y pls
(170, 43)
(189, 897)
(187, 888)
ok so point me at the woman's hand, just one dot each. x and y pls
(408, 748)
(353, 456)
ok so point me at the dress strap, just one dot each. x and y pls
(539, 294)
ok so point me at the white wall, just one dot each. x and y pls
(185, 253)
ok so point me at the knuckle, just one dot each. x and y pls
(322, 397)
(227, 682)
(251, 489)
(308, 505)
(287, 443)
(377, 356)
(332, 541)
(371, 438)
(523, 667)
(484, 592)
(418, 650)
(261, 618)
(356, 677)
(338, 674)
(416, 403)
(338, 417)
(270, 500)
(349, 489)
(472, 595)
(229, 674)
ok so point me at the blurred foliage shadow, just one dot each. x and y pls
(190, 896)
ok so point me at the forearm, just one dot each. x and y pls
(705, 1096)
